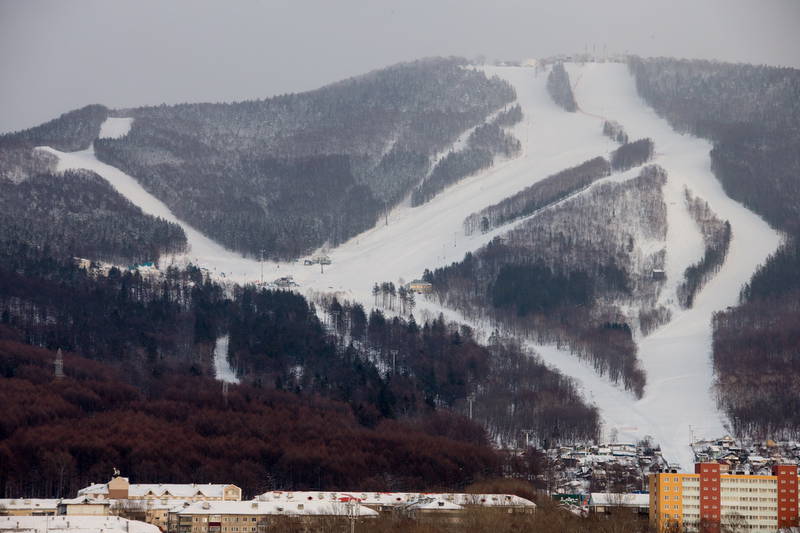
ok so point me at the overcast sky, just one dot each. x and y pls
(57, 55)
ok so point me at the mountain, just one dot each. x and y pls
(288, 174)
(587, 228)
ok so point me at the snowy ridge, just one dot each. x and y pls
(676, 357)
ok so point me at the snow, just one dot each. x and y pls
(222, 367)
(178, 490)
(259, 507)
(28, 503)
(678, 400)
(75, 524)
(397, 498)
(676, 357)
(114, 128)
(202, 249)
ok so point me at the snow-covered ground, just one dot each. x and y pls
(74, 524)
(222, 367)
(114, 128)
(676, 357)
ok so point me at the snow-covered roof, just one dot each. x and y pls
(397, 498)
(179, 490)
(75, 524)
(83, 500)
(28, 503)
(619, 499)
(95, 488)
(329, 508)
(434, 504)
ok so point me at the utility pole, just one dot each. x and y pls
(471, 400)
(262, 266)
(352, 513)
(527, 433)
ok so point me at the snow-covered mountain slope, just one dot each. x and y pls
(676, 357)
(202, 250)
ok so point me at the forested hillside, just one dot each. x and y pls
(561, 274)
(60, 435)
(76, 212)
(290, 173)
(71, 131)
(357, 400)
(483, 145)
(79, 213)
(752, 115)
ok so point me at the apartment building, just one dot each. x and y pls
(28, 507)
(708, 499)
(388, 501)
(256, 516)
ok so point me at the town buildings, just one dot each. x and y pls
(218, 508)
(28, 507)
(73, 524)
(256, 516)
(389, 501)
(710, 498)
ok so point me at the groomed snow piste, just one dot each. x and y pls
(675, 357)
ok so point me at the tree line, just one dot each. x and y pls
(539, 195)
(560, 89)
(79, 213)
(716, 240)
(483, 144)
(560, 276)
(443, 365)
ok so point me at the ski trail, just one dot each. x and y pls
(202, 250)
(678, 398)
(222, 368)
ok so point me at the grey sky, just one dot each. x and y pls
(57, 55)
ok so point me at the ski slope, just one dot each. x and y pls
(675, 357)
(222, 367)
